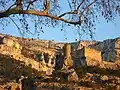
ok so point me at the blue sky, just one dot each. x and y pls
(108, 30)
(103, 31)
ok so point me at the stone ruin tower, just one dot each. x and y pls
(67, 56)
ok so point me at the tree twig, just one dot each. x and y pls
(87, 8)
(31, 2)
(80, 4)
(16, 25)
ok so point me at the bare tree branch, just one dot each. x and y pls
(33, 12)
(87, 8)
(11, 6)
(45, 11)
(65, 14)
(31, 2)
(69, 5)
(80, 4)
(16, 26)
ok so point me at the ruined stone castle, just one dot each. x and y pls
(46, 56)
(31, 57)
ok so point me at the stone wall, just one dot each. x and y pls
(80, 44)
(88, 56)
(93, 54)
(110, 49)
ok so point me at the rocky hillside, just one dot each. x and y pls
(30, 51)
(39, 61)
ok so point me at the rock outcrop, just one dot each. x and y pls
(44, 55)
(42, 60)
(110, 49)
(11, 47)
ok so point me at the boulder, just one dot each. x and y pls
(49, 71)
(104, 78)
(72, 76)
(69, 75)
(8, 41)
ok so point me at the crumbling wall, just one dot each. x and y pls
(87, 56)
(93, 54)
(110, 49)
(80, 44)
